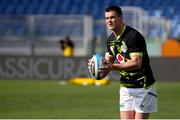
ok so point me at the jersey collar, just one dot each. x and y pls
(119, 36)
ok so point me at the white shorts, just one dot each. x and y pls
(138, 99)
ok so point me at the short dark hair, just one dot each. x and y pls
(114, 8)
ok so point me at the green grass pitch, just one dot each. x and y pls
(50, 99)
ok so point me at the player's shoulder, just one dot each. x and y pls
(133, 31)
(134, 36)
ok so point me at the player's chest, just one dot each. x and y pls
(119, 49)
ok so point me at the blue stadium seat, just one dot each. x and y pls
(20, 10)
(80, 6)
(95, 8)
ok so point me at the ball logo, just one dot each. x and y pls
(120, 58)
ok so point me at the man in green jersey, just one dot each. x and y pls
(126, 45)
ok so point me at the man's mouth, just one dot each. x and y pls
(110, 25)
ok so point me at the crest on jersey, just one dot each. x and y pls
(123, 47)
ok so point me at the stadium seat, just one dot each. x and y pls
(168, 8)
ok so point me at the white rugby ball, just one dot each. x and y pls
(95, 64)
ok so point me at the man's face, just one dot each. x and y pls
(112, 20)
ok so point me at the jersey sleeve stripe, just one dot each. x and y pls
(136, 53)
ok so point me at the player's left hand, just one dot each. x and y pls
(107, 67)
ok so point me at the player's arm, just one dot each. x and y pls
(134, 63)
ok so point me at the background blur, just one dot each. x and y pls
(34, 72)
(30, 30)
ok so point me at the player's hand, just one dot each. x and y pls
(107, 67)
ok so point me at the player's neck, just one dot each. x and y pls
(119, 30)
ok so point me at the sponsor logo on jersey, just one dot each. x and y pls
(120, 58)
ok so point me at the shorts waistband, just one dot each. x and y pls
(121, 85)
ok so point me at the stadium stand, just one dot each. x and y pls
(92, 7)
(167, 8)
(21, 27)
(95, 8)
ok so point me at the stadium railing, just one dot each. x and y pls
(40, 34)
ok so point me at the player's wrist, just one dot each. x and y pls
(116, 67)
(111, 66)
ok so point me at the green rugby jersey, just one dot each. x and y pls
(131, 42)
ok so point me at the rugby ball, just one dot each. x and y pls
(94, 64)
